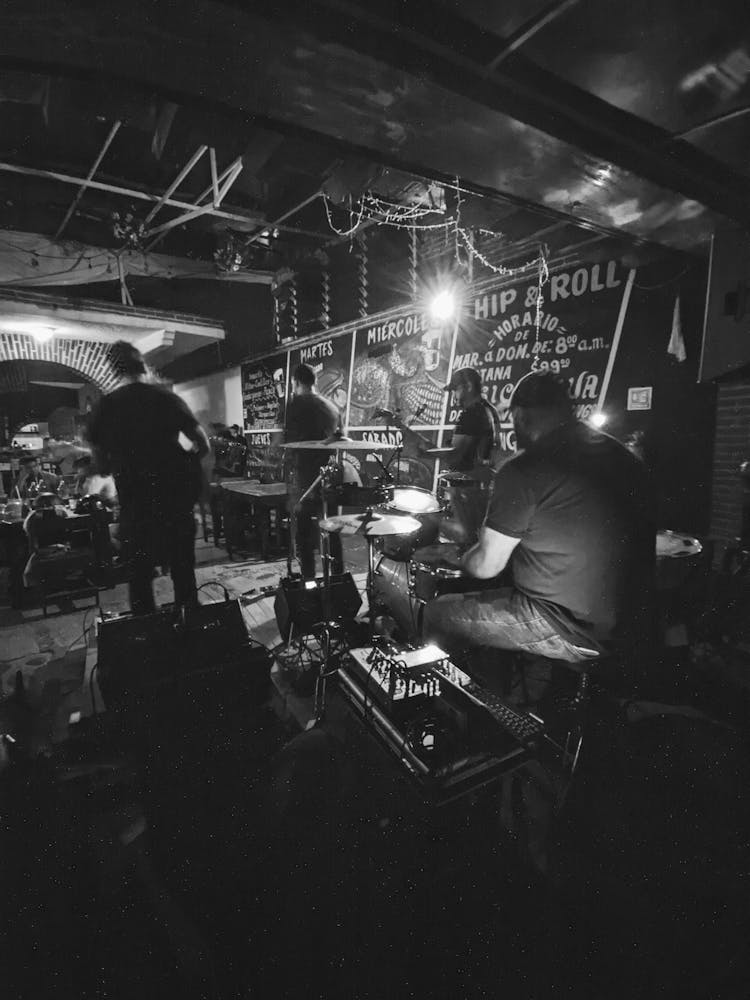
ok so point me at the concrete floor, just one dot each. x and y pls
(55, 653)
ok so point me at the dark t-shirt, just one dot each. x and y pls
(309, 417)
(580, 504)
(475, 422)
(136, 429)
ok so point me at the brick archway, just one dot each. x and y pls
(89, 357)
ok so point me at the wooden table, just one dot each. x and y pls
(264, 499)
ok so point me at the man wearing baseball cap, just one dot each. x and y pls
(570, 518)
(474, 434)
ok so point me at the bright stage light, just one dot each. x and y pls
(598, 419)
(443, 306)
(40, 333)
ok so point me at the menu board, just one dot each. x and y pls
(264, 388)
(578, 319)
(399, 461)
(401, 365)
(331, 361)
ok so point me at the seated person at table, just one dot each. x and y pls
(569, 517)
(91, 483)
(309, 417)
(32, 481)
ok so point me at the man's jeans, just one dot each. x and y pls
(503, 619)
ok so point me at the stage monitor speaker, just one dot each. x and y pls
(300, 604)
(140, 656)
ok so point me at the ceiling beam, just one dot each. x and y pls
(220, 192)
(430, 41)
(530, 28)
(176, 183)
(127, 192)
(87, 181)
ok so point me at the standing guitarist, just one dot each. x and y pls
(150, 441)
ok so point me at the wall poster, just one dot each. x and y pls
(402, 363)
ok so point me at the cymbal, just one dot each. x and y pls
(374, 525)
(336, 444)
(438, 451)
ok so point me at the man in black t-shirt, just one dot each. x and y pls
(149, 440)
(309, 417)
(570, 518)
(474, 433)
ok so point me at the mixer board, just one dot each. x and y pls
(430, 715)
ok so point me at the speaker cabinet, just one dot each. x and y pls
(300, 605)
(196, 657)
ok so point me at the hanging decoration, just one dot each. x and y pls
(362, 279)
(371, 209)
(129, 229)
(230, 254)
(325, 302)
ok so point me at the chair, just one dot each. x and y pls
(59, 564)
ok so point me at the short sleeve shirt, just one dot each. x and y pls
(579, 504)
(309, 417)
(476, 422)
(137, 427)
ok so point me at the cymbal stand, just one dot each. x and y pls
(319, 702)
(386, 466)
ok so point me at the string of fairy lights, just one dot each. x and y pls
(371, 209)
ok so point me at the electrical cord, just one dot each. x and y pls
(94, 710)
(215, 583)
(83, 634)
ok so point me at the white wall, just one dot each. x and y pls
(215, 398)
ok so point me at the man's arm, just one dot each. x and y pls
(461, 445)
(490, 555)
(190, 427)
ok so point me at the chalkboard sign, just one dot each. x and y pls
(578, 322)
(331, 361)
(401, 365)
(264, 389)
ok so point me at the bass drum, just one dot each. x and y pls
(413, 502)
(405, 588)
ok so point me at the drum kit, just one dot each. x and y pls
(399, 523)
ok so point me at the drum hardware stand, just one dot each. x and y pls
(324, 672)
(386, 466)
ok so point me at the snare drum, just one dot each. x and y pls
(436, 570)
(418, 503)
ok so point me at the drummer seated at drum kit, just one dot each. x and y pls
(569, 520)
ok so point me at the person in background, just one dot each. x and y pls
(90, 483)
(470, 455)
(32, 480)
(97, 497)
(309, 417)
(150, 441)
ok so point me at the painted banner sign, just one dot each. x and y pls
(580, 324)
(402, 364)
